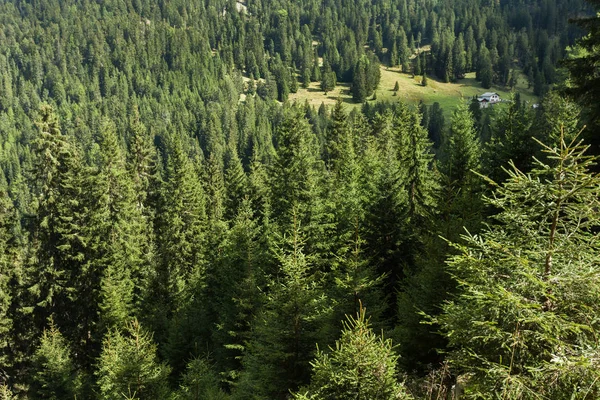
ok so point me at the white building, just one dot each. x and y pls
(488, 98)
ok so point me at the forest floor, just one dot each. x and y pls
(412, 92)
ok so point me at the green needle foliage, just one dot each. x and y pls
(128, 366)
(525, 323)
(6, 393)
(200, 382)
(54, 375)
(361, 366)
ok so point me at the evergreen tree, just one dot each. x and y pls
(181, 224)
(584, 85)
(328, 80)
(200, 383)
(65, 284)
(236, 183)
(128, 366)
(485, 71)
(528, 297)
(459, 208)
(278, 353)
(361, 366)
(459, 58)
(8, 253)
(6, 393)
(404, 52)
(55, 375)
(337, 135)
(297, 183)
(119, 232)
(359, 85)
(511, 140)
(461, 149)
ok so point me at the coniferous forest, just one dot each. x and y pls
(173, 227)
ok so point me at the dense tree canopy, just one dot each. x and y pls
(172, 226)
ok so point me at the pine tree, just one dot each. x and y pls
(128, 366)
(361, 366)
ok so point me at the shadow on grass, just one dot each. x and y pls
(345, 100)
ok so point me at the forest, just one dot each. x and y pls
(173, 227)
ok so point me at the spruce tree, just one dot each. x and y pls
(54, 373)
(355, 278)
(64, 283)
(236, 183)
(119, 231)
(7, 270)
(200, 382)
(460, 207)
(584, 86)
(361, 366)
(528, 290)
(297, 183)
(180, 225)
(337, 136)
(485, 71)
(128, 366)
(278, 353)
(6, 393)
(386, 202)
(461, 149)
(511, 140)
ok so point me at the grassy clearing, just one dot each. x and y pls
(411, 91)
(315, 96)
